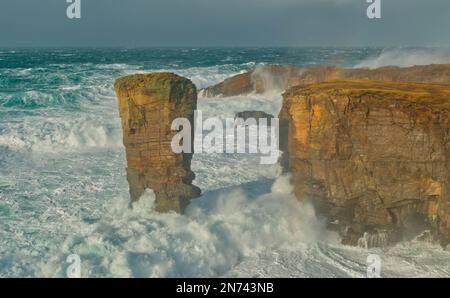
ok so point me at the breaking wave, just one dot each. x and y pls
(56, 135)
(219, 231)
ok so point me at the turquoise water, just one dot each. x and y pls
(63, 188)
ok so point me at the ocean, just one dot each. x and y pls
(63, 187)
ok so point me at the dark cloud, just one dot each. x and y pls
(134, 23)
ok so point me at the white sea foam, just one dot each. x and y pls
(70, 87)
(247, 223)
(406, 57)
(219, 231)
(57, 134)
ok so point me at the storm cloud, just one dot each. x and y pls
(146, 23)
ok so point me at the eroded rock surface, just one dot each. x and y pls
(373, 156)
(148, 103)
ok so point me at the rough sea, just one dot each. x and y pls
(63, 187)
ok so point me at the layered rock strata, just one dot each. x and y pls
(374, 157)
(148, 103)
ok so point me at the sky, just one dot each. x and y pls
(232, 23)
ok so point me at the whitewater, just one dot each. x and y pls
(63, 187)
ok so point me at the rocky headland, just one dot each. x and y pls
(374, 157)
(279, 77)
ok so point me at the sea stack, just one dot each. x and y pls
(148, 103)
(373, 156)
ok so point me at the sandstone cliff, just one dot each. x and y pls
(373, 156)
(284, 77)
(148, 103)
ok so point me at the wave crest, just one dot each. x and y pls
(56, 135)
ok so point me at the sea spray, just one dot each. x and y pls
(74, 196)
(405, 57)
(219, 230)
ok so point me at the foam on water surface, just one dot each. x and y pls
(63, 187)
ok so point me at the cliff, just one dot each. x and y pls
(278, 77)
(374, 157)
(148, 103)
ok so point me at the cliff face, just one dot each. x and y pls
(372, 156)
(148, 103)
(285, 77)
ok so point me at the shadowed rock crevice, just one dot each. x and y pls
(148, 103)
